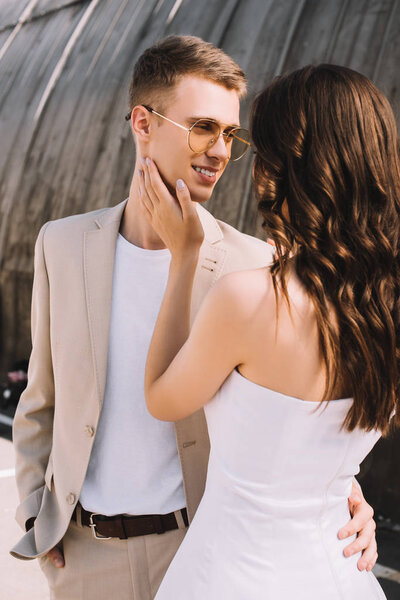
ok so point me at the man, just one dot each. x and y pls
(106, 490)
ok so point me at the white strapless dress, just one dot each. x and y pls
(279, 476)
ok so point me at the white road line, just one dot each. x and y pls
(6, 420)
(7, 473)
(386, 573)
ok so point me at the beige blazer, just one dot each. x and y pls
(57, 416)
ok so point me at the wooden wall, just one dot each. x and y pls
(65, 68)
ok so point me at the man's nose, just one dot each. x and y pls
(219, 150)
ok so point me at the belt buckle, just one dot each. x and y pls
(92, 525)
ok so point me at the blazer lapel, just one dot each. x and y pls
(211, 260)
(99, 252)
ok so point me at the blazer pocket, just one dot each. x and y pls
(48, 476)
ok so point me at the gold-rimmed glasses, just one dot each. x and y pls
(204, 134)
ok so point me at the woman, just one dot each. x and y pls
(296, 365)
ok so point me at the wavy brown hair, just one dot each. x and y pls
(327, 157)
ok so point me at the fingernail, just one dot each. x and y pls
(343, 534)
(59, 562)
(148, 161)
(140, 172)
(142, 160)
(180, 184)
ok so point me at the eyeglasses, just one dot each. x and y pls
(204, 134)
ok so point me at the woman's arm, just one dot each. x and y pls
(196, 368)
(182, 372)
(172, 326)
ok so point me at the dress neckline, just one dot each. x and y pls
(294, 398)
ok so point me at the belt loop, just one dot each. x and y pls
(158, 524)
(78, 512)
(179, 519)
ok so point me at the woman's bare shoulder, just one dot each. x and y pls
(246, 290)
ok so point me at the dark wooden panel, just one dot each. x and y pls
(66, 147)
(43, 7)
(386, 73)
(11, 11)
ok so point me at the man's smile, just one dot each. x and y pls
(206, 174)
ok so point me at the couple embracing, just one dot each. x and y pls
(159, 331)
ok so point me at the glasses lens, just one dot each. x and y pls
(240, 140)
(203, 135)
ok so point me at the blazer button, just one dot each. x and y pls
(89, 430)
(71, 498)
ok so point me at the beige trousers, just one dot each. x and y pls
(113, 569)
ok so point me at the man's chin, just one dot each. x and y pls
(200, 198)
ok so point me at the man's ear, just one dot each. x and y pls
(140, 123)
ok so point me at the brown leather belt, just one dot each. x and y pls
(124, 526)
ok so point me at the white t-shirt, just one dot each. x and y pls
(134, 466)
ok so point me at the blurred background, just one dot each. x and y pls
(65, 68)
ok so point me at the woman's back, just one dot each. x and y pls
(281, 347)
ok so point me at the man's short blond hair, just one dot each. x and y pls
(161, 66)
